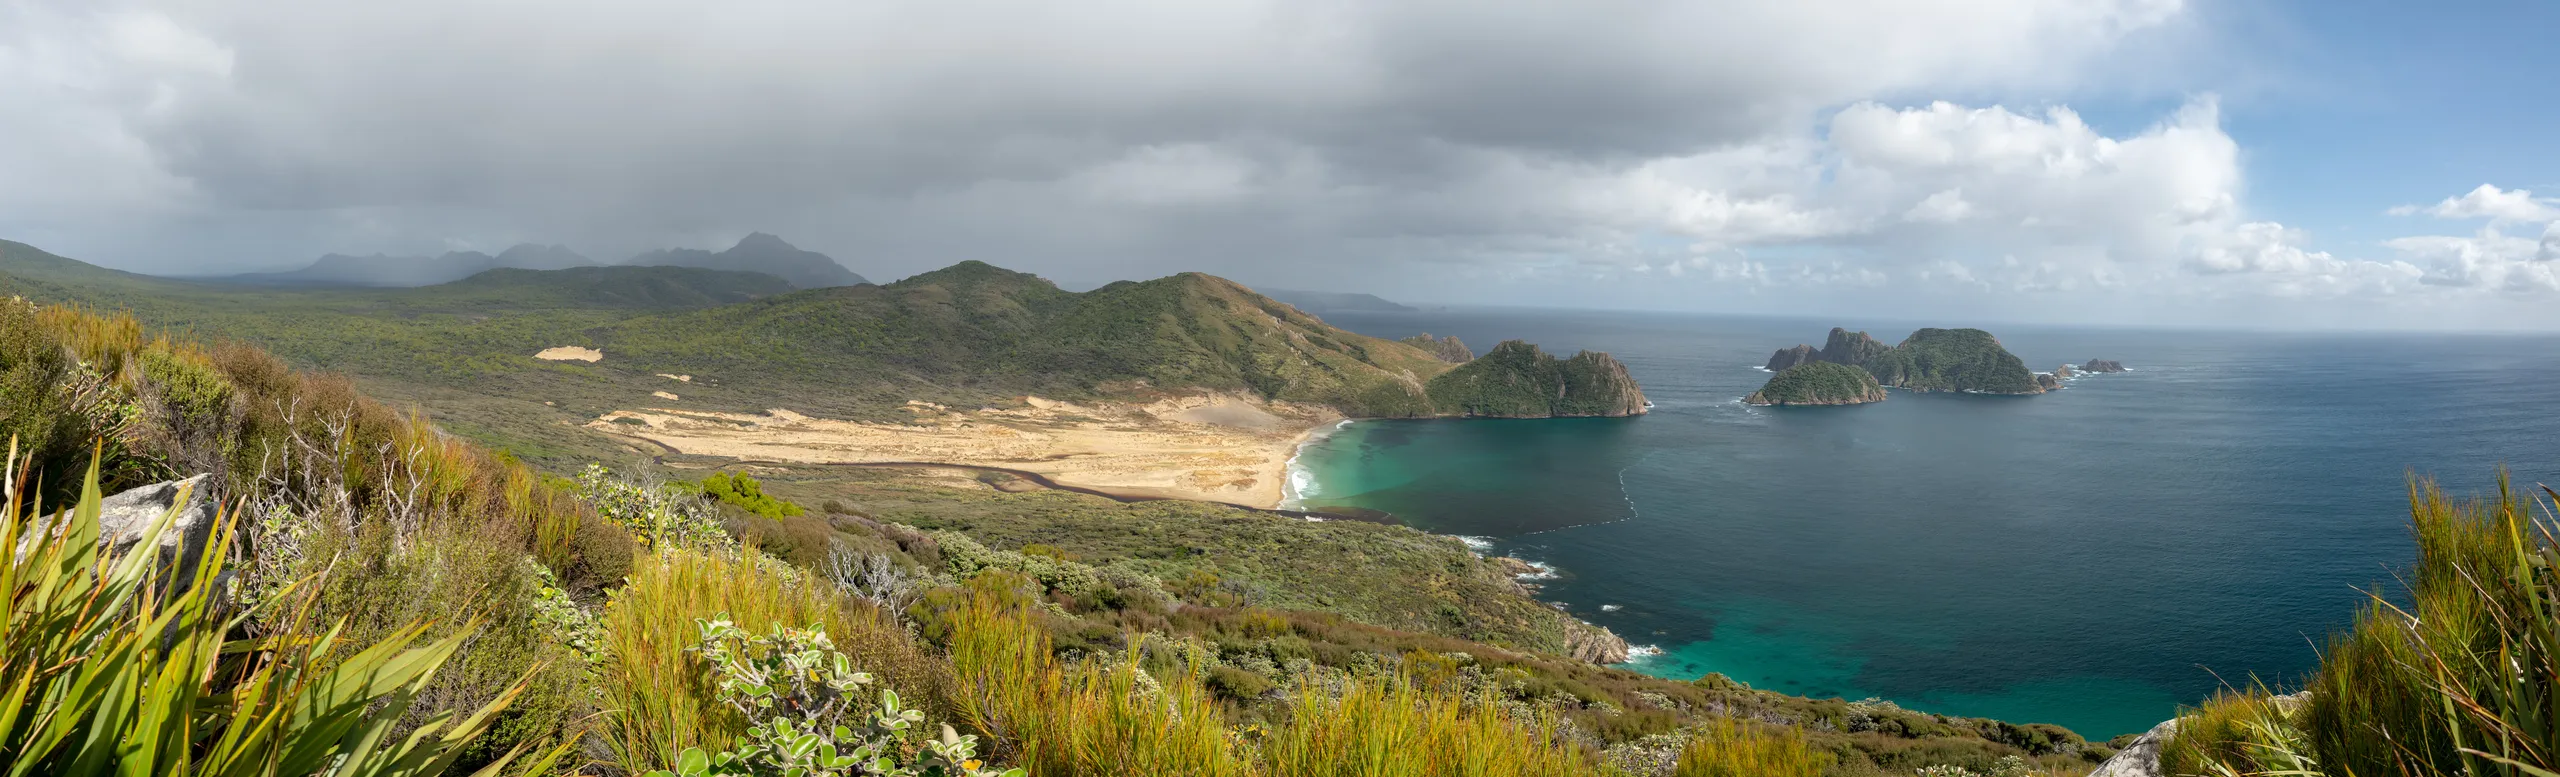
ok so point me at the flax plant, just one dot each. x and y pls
(113, 665)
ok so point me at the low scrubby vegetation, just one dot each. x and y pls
(421, 605)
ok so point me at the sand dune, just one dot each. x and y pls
(1214, 448)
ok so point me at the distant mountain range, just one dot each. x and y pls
(1330, 301)
(758, 252)
(762, 253)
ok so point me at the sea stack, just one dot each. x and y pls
(2102, 365)
(1819, 383)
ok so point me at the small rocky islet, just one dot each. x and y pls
(1854, 368)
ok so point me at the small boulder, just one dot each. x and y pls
(125, 517)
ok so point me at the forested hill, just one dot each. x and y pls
(971, 332)
(974, 326)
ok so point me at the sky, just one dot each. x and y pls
(2267, 163)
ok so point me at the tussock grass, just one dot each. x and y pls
(1391, 727)
(1730, 749)
(1089, 718)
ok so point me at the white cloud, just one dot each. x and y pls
(2490, 202)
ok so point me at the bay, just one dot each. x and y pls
(2092, 557)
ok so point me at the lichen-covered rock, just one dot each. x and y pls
(125, 517)
(1447, 348)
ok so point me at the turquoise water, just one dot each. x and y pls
(2092, 557)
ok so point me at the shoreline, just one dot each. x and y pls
(1292, 474)
(1211, 448)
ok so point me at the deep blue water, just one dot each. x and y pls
(2092, 557)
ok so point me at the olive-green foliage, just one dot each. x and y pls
(746, 493)
(1818, 383)
(454, 583)
(1386, 575)
(1516, 380)
(1953, 360)
(115, 666)
(1726, 748)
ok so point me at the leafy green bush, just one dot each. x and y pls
(809, 714)
(745, 493)
(660, 703)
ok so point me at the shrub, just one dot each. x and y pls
(746, 493)
(1238, 684)
(809, 713)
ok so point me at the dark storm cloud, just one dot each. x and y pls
(1273, 140)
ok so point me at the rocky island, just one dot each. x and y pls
(1517, 380)
(1819, 383)
(1447, 349)
(2102, 365)
(1966, 360)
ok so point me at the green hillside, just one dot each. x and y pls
(1516, 380)
(1819, 383)
(1954, 360)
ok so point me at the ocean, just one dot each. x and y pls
(2092, 557)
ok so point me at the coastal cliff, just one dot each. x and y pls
(1819, 383)
(1446, 348)
(1517, 380)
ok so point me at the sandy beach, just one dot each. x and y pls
(1219, 448)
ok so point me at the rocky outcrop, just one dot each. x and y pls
(2065, 372)
(2047, 381)
(1516, 380)
(1842, 347)
(1853, 348)
(1819, 383)
(2102, 365)
(2142, 757)
(1447, 349)
(1789, 357)
(1594, 644)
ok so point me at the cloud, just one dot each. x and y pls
(2490, 202)
(1137, 132)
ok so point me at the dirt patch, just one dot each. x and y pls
(664, 395)
(569, 353)
(676, 378)
(1213, 448)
